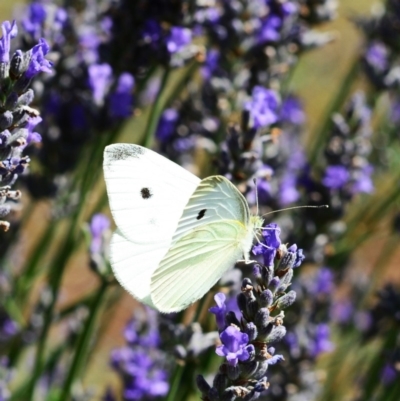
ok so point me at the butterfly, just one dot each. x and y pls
(176, 234)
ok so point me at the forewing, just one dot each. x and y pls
(215, 199)
(133, 264)
(194, 263)
(147, 192)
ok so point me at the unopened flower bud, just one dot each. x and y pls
(286, 300)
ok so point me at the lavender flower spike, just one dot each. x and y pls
(17, 118)
(248, 340)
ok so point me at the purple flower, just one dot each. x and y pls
(270, 245)
(377, 56)
(362, 181)
(395, 110)
(209, 15)
(151, 32)
(232, 306)
(335, 177)
(235, 345)
(219, 310)
(292, 340)
(36, 17)
(288, 192)
(263, 107)
(38, 62)
(363, 320)
(131, 332)
(89, 42)
(9, 32)
(141, 364)
(142, 375)
(167, 124)
(275, 359)
(292, 258)
(98, 225)
(289, 8)
(269, 31)
(321, 342)
(33, 136)
(388, 374)
(178, 38)
(106, 25)
(60, 17)
(211, 64)
(263, 190)
(8, 327)
(185, 145)
(100, 76)
(342, 311)
(299, 255)
(263, 183)
(121, 101)
(323, 282)
(292, 111)
(135, 335)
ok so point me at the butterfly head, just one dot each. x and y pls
(256, 223)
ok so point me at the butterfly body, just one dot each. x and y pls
(176, 234)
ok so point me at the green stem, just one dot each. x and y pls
(322, 130)
(175, 383)
(372, 380)
(31, 268)
(393, 392)
(199, 308)
(55, 281)
(155, 111)
(165, 97)
(83, 343)
(20, 393)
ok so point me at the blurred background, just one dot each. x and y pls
(181, 77)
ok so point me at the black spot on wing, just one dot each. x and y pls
(146, 193)
(123, 151)
(201, 214)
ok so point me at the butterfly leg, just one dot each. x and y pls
(247, 262)
(260, 243)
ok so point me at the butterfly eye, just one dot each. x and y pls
(201, 214)
(146, 194)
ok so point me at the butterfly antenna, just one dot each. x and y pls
(298, 207)
(255, 185)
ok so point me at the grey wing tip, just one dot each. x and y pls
(122, 151)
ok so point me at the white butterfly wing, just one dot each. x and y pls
(147, 194)
(215, 199)
(133, 264)
(208, 241)
(194, 264)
